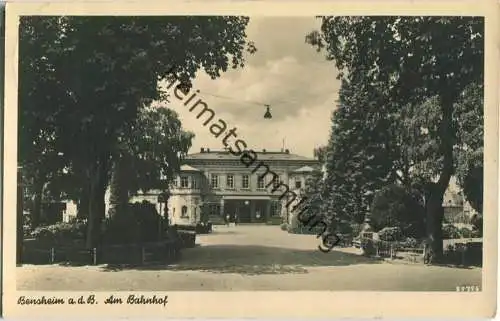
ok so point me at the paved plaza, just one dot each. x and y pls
(241, 258)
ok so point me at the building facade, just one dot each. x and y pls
(213, 185)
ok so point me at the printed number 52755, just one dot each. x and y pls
(468, 288)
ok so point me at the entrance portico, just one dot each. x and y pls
(248, 209)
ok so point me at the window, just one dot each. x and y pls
(298, 183)
(260, 182)
(184, 182)
(214, 209)
(230, 181)
(214, 181)
(184, 211)
(245, 182)
(276, 181)
(194, 182)
(275, 209)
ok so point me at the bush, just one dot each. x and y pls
(476, 234)
(465, 232)
(409, 242)
(60, 232)
(397, 206)
(368, 247)
(464, 254)
(284, 227)
(138, 223)
(390, 234)
(356, 229)
(450, 232)
(477, 223)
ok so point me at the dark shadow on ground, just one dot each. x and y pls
(252, 260)
(219, 232)
(455, 266)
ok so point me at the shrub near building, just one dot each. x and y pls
(395, 206)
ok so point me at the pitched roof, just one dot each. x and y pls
(304, 169)
(187, 168)
(261, 155)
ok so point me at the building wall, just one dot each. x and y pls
(198, 196)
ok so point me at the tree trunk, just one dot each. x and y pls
(119, 190)
(434, 211)
(102, 186)
(20, 220)
(434, 207)
(83, 203)
(37, 204)
(93, 220)
(96, 215)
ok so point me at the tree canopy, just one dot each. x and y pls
(417, 69)
(84, 80)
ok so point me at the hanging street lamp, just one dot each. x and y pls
(268, 115)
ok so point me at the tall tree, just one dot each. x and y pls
(358, 157)
(85, 78)
(469, 121)
(151, 153)
(413, 59)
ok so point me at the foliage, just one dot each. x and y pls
(61, 232)
(147, 223)
(468, 115)
(451, 232)
(465, 232)
(420, 67)
(477, 224)
(157, 144)
(320, 153)
(469, 254)
(311, 208)
(395, 206)
(356, 228)
(356, 162)
(368, 247)
(83, 81)
(390, 234)
(409, 242)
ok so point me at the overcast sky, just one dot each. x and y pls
(285, 72)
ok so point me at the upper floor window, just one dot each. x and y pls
(194, 182)
(245, 183)
(298, 183)
(184, 211)
(260, 182)
(184, 182)
(230, 181)
(276, 181)
(214, 181)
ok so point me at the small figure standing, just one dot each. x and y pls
(428, 253)
(227, 219)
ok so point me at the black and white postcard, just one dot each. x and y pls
(251, 159)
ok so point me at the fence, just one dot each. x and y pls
(147, 253)
(465, 252)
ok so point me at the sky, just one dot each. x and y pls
(297, 82)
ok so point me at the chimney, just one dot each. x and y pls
(202, 150)
(264, 151)
(287, 151)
